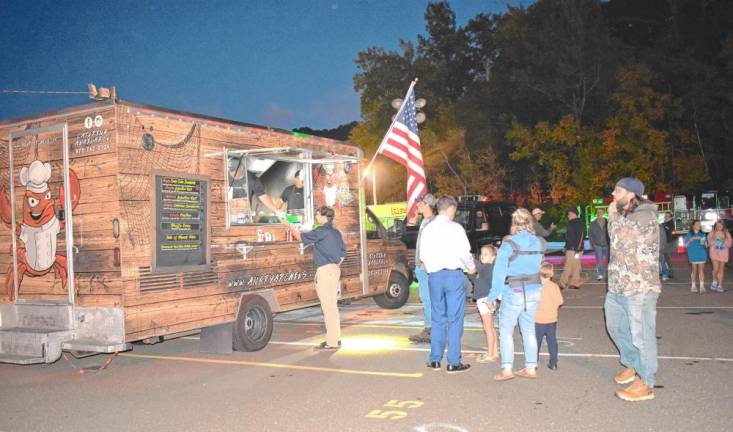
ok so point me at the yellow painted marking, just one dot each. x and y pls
(275, 365)
(343, 324)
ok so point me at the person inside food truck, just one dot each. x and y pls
(293, 194)
(254, 187)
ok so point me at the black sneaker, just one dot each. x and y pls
(460, 367)
(434, 366)
(326, 346)
(552, 366)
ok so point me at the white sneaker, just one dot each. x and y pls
(714, 286)
(702, 288)
(600, 277)
(664, 278)
(693, 288)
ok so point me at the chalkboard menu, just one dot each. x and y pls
(181, 214)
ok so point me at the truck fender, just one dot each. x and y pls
(267, 294)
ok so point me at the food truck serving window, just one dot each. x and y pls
(267, 185)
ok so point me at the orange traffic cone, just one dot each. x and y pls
(681, 245)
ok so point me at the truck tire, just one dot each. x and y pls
(253, 328)
(398, 291)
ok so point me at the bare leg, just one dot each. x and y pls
(693, 277)
(490, 331)
(701, 273)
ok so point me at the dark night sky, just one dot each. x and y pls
(277, 63)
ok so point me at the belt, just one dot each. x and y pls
(447, 269)
(518, 282)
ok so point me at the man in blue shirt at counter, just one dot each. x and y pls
(445, 253)
(328, 255)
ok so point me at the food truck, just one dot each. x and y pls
(121, 222)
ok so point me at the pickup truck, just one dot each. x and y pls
(485, 222)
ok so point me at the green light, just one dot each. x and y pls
(301, 135)
(598, 201)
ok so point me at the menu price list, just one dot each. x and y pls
(181, 221)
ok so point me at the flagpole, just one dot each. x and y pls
(394, 120)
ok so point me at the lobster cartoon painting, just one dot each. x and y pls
(39, 225)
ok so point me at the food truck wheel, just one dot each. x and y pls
(397, 292)
(253, 328)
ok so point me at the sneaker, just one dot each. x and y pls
(702, 289)
(325, 346)
(552, 366)
(718, 288)
(693, 289)
(626, 376)
(434, 366)
(422, 337)
(599, 277)
(665, 277)
(460, 367)
(636, 392)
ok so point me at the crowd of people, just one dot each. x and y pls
(515, 286)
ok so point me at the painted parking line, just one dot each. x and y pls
(581, 355)
(385, 325)
(274, 365)
(658, 307)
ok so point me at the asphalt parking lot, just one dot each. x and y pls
(379, 382)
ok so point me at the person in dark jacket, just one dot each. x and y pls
(598, 236)
(570, 277)
(329, 252)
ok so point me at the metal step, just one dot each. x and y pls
(24, 345)
(21, 360)
(43, 315)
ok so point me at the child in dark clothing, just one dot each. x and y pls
(482, 285)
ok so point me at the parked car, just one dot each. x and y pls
(484, 221)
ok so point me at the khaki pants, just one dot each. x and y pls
(327, 285)
(571, 271)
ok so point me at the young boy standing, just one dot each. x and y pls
(546, 318)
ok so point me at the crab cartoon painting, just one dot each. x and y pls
(39, 226)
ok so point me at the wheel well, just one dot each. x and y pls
(268, 295)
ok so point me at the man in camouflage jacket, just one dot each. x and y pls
(633, 287)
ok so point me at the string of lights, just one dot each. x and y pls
(42, 91)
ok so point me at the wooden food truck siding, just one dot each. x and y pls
(114, 223)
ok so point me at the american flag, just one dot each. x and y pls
(402, 144)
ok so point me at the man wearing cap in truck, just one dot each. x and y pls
(293, 194)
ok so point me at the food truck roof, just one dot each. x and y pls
(213, 121)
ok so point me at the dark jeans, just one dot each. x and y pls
(549, 330)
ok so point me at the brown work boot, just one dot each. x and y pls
(637, 391)
(422, 337)
(626, 376)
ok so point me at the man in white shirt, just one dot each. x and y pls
(445, 252)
